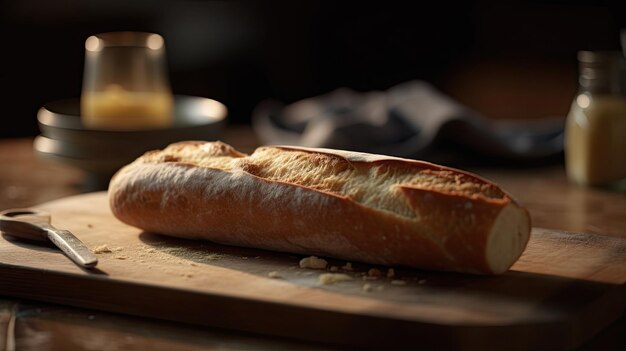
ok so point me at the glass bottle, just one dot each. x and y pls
(595, 131)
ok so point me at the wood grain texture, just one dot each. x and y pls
(565, 288)
(39, 327)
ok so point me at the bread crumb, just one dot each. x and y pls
(331, 278)
(274, 275)
(193, 264)
(89, 225)
(374, 272)
(151, 250)
(101, 249)
(334, 269)
(391, 273)
(421, 281)
(313, 262)
(367, 287)
(347, 267)
(398, 282)
(184, 254)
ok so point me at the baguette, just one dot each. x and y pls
(347, 205)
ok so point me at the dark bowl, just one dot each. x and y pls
(102, 152)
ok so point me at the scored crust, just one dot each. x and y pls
(342, 204)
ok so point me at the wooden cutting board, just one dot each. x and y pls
(564, 289)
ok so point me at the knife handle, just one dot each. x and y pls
(72, 247)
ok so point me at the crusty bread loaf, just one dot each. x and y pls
(347, 205)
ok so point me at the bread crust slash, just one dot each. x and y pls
(334, 203)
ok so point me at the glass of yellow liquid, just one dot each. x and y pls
(125, 82)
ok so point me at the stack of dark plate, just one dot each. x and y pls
(101, 152)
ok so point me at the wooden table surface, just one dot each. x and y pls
(26, 180)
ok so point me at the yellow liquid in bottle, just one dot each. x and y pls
(118, 109)
(595, 140)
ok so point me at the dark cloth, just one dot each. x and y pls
(411, 120)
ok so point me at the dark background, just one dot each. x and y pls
(506, 60)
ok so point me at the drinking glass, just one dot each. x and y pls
(125, 82)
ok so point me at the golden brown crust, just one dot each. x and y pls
(334, 203)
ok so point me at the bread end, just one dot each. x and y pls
(508, 238)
